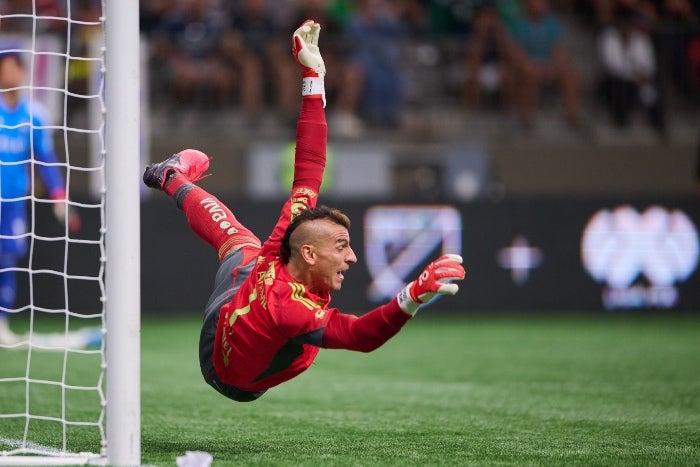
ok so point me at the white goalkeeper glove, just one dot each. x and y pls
(64, 213)
(436, 279)
(308, 56)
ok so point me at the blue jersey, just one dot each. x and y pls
(24, 136)
(538, 38)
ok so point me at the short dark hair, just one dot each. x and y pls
(11, 51)
(319, 212)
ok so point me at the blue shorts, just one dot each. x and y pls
(224, 290)
(13, 223)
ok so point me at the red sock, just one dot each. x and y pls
(209, 218)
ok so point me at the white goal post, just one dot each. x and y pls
(118, 242)
(123, 273)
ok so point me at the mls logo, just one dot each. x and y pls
(399, 239)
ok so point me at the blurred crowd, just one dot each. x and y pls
(511, 52)
(511, 55)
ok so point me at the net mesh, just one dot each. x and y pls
(52, 402)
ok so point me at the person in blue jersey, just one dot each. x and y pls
(25, 138)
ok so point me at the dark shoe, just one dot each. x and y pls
(189, 162)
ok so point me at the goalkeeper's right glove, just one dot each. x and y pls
(63, 212)
(308, 56)
(436, 279)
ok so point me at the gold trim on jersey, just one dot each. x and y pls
(233, 244)
(299, 295)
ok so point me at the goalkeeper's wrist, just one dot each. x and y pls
(406, 301)
(312, 87)
(58, 194)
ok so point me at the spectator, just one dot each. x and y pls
(645, 10)
(84, 38)
(542, 59)
(39, 16)
(694, 59)
(151, 13)
(259, 52)
(373, 68)
(489, 68)
(629, 71)
(447, 17)
(677, 29)
(332, 16)
(188, 43)
(697, 167)
(509, 11)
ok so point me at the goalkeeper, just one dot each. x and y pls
(269, 313)
(25, 137)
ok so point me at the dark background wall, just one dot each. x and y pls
(178, 269)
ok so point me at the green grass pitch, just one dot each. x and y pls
(605, 389)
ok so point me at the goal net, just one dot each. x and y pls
(69, 352)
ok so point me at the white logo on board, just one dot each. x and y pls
(622, 247)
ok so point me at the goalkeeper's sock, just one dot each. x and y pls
(210, 219)
(7, 337)
(8, 283)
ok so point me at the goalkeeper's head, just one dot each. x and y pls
(10, 50)
(11, 67)
(316, 248)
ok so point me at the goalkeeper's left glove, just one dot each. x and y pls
(308, 56)
(62, 211)
(436, 279)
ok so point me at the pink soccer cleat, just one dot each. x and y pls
(188, 162)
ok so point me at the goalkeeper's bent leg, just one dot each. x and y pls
(210, 219)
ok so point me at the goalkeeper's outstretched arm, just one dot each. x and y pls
(368, 332)
(312, 129)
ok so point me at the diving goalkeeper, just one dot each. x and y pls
(269, 313)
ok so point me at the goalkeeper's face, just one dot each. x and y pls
(11, 72)
(331, 256)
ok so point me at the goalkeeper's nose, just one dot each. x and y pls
(351, 258)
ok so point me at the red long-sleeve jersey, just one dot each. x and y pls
(273, 327)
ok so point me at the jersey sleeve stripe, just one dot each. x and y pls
(299, 295)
